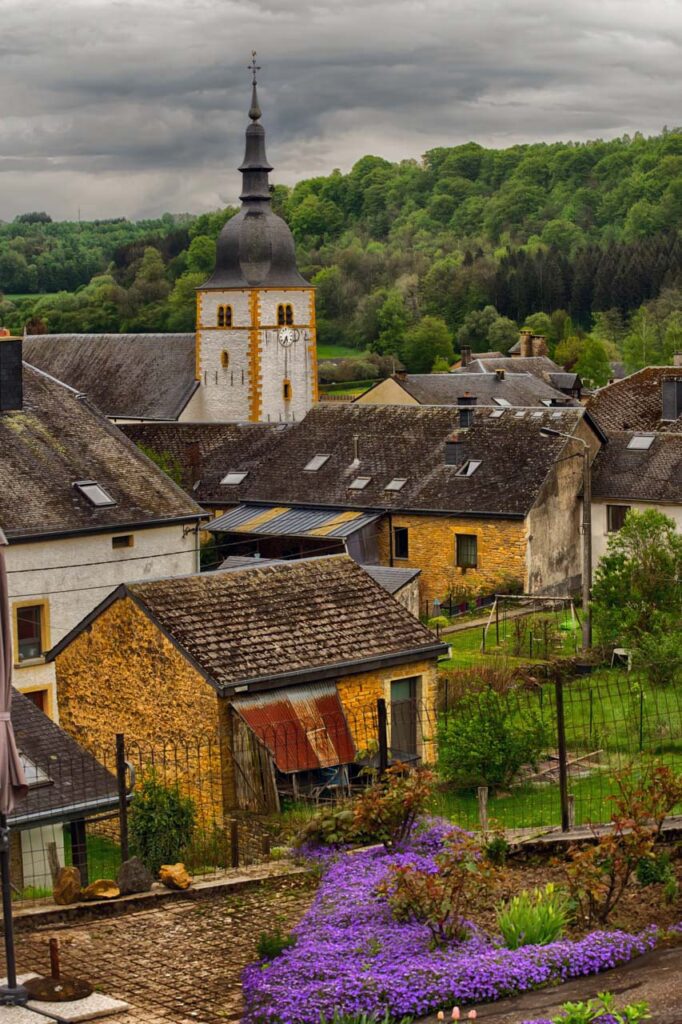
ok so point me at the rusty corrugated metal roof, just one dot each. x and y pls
(292, 522)
(303, 728)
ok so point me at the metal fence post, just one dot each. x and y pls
(563, 760)
(382, 720)
(122, 794)
(234, 843)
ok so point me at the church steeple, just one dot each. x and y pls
(255, 167)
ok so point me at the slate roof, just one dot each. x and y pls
(539, 366)
(69, 780)
(127, 376)
(654, 475)
(634, 403)
(206, 451)
(243, 626)
(408, 442)
(390, 578)
(57, 439)
(519, 389)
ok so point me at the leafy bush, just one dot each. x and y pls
(601, 1009)
(271, 944)
(655, 870)
(659, 655)
(533, 919)
(329, 828)
(161, 823)
(387, 811)
(439, 899)
(648, 793)
(485, 738)
(599, 875)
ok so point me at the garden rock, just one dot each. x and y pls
(102, 889)
(175, 876)
(67, 888)
(133, 877)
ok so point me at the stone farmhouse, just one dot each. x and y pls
(289, 683)
(82, 509)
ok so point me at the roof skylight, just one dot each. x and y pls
(317, 462)
(469, 468)
(502, 402)
(359, 483)
(520, 415)
(94, 493)
(641, 442)
(396, 484)
(234, 477)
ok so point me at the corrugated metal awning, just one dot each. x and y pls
(283, 520)
(303, 727)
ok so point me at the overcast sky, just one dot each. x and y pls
(134, 107)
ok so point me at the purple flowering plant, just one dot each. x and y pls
(352, 958)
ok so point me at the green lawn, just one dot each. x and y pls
(104, 856)
(533, 638)
(339, 352)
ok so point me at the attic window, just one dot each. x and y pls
(469, 468)
(519, 415)
(359, 483)
(641, 442)
(503, 402)
(547, 402)
(35, 775)
(234, 478)
(94, 493)
(556, 415)
(496, 413)
(317, 462)
(536, 415)
(396, 484)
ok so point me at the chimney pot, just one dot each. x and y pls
(466, 355)
(467, 399)
(11, 374)
(499, 374)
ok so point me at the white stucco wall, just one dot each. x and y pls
(35, 865)
(73, 575)
(600, 535)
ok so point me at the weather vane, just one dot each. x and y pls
(253, 67)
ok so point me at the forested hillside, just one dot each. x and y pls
(412, 258)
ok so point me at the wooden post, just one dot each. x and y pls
(122, 794)
(53, 861)
(563, 765)
(571, 811)
(483, 807)
(79, 849)
(234, 843)
(382, 719)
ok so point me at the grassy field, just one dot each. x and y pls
(533, 638)
(338, 352)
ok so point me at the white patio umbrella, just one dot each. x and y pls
(12, 784)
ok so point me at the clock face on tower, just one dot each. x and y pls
(287, 336)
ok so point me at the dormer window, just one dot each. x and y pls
(469, 468)
(233, 478)
(94, 493)
(396, 484)
(359, 483)
(224, 316)
(641, 442)
(285, 314)
(317, 462)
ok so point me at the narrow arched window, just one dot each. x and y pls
(224, 359)
(221, 316)
(289, 314)
(286, 390)
(228, 316)
(281, 316)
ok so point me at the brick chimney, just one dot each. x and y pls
(466, 355)
(539, 345)
(11, 373)
(526, 343)
(671, 399)
(195, 462)
(499, 374)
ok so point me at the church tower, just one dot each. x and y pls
(255, 329)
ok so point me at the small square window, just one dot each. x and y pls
(30, 632)
(396, 484)
(125, 540)
(615, 517)
(401, 546)
(94, 493)
(234, 478)
(317, 462)
(469, 468)
(466, 554)
(503, 402)
(359, 483)
(641, 442)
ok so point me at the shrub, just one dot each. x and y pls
(161, 822)
(533, 919)
(485, 738)
(497, 849)
(329, 828)
(438, 899)
(654, 870)
(659, 655)
(271, 944)
(601, 1009)
(599, 875)
(387, 810)
(648, 793)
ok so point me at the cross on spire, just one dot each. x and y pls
(253, 67)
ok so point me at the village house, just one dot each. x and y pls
(540, 366)
(502, 388)
(82, 510)
(649, 400)
(475, 497)
(284, 662)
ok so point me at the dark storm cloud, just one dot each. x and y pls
(137, 107)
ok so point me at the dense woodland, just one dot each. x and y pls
(581, 241)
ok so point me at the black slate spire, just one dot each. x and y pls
(255, 166)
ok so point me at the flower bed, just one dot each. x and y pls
(353, 957)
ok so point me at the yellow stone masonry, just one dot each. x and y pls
(431, 540)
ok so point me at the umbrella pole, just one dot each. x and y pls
(11, 994)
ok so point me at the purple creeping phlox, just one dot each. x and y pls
(353, 957)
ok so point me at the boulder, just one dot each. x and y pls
(133, 876)
(174, 876)
(67, 887)
(102, 889)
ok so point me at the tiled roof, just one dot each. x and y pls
(635, 403)
(244, 625)
(400, 442)
(205, 452)
(64, 779)
(539, 366)
(57, 439)
(391, 579)
(519, 389)
(131, 376)
(653, 475)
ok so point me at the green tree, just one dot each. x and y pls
(568, 352)
(425, 342)
(593, 364)
(201, 255)
(392, 323)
